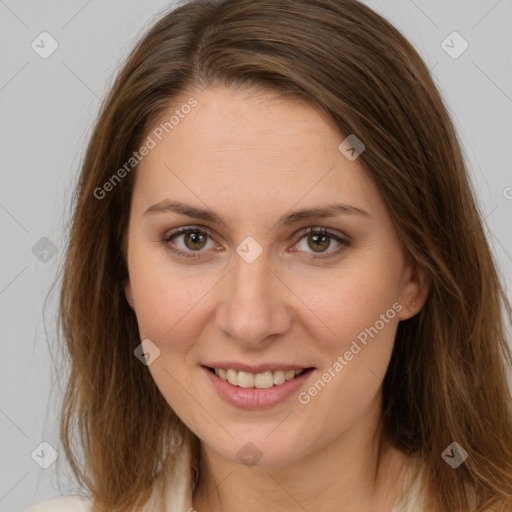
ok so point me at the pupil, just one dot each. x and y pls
(316, 246)
(195, 238)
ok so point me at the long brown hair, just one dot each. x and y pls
(447, 377)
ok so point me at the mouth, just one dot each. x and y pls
(262, 390)
(262, 380)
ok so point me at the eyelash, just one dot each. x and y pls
(310, 231)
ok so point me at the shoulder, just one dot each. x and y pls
(72, 503)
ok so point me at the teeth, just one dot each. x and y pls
(264, 380)
(279, 377)
(245, 379)
(232, 377)
(289, 374)
(256, 380)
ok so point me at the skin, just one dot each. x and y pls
(251, 157)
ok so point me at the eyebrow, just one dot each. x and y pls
(331, 210)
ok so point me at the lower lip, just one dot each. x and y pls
(253, 398)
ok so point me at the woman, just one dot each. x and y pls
(277, 291)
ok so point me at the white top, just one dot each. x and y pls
(179, 497)
(75, 503)
(72, 503)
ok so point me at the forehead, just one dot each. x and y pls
(255, 144)
(260, 120)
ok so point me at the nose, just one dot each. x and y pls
(254, 310)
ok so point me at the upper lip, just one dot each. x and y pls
(255, 368)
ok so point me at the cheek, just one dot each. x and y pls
(168, 301)
(166, 296)
(344, 302)
(356, 316)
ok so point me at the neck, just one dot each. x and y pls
(341, 476)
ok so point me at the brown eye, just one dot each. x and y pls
(194, 240)
(319, 242)
(189, 242)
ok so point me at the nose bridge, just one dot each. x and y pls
(250, 282)
(253, 308)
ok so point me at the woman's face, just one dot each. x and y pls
(249, 290)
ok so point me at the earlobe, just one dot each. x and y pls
(415, 289)
(128, 293)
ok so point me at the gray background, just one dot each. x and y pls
(47, 109)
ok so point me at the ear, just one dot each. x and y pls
(128, 293)
(414, 289)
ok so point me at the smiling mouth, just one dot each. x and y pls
(263, 380)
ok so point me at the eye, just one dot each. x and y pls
(319, 240)
(193, 241)
(190, 241)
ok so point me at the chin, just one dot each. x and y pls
(274, 450)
